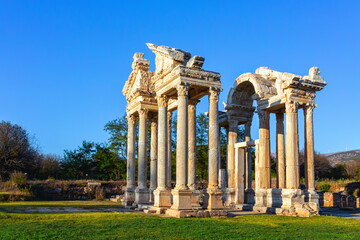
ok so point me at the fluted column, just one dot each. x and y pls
(309, 147)
(169, 151)
(292, 167)
(192, 145)
(182, 137)
(264, 150)
(181, 193)
(232, 139)
(129, 197)
(162, 193)
(142, 191)
(215, 194)
(153, 158)
(280, 150)
(248, 167)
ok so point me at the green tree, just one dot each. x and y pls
(108, 163)
(17, 151)
(117, 129)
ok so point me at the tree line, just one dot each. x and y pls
(107, 161)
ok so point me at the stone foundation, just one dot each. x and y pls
(142, 196)
(129, 196)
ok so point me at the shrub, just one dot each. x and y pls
(18, 178)
(324, 187)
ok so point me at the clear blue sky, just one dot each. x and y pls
(63, 64)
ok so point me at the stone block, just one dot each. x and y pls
(129, 197)
(215, 199)
(181, 199)
(142, 196)
(162, 198)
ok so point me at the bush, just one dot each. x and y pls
(99, 194)
(324, 187)
(18, 178)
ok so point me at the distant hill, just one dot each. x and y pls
(342, 157)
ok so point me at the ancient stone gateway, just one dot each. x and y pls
(278, 93)
(178, 83)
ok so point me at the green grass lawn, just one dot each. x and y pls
(112, 225)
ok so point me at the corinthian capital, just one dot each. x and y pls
(214, 93)
(291, 107)
(309, 108)
(131, 119)
(233, 125)
(143, 112)
(162, 101)
(169, 116)
(183, 90)
(264, 115)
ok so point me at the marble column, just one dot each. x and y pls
(249, 191)
(192, 154)
(292, 167)
(264, 150)
(215, 193)
(232, 139)
(192, 145)
(162, 193)
(153, 158)
(129, 196)
(280, 150)
(181, 193)
(169, 151)
(248, 167)
(142, 192)
(309, 146)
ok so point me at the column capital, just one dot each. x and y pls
(143, 112)
(248, 124)
(309, 108)
(279, 116)
(131, 119)
(214, 93)
(192, 104)
(264, 115)
(233, 125)
(154, 122)
(162, 100)
(291, 107)
(182, 89)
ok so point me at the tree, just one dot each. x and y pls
(49, 165)
(17, 152)
(351, 168)
(79, 162)
(117, 129)
(108, 163)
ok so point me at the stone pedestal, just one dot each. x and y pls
(195, 199)
(229, 196)
(313, 197)
(250, 196)
(142, 195)
(215, 199)
(260, 198)
(290, 197)
(162, 198)
(129, 196)
(274, 198)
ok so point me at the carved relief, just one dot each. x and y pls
(291, 107)
(162, 101)
(214, 93)
(183, 90)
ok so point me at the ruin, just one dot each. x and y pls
(178, 83)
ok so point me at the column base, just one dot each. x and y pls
(290, 197)
(274, 197)
(142, 196)
(260, 198)
(250, 196)
(129, 196)
(194, 199)
(215, 201)
(162, 198)
(181, 199)
(229, 196)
